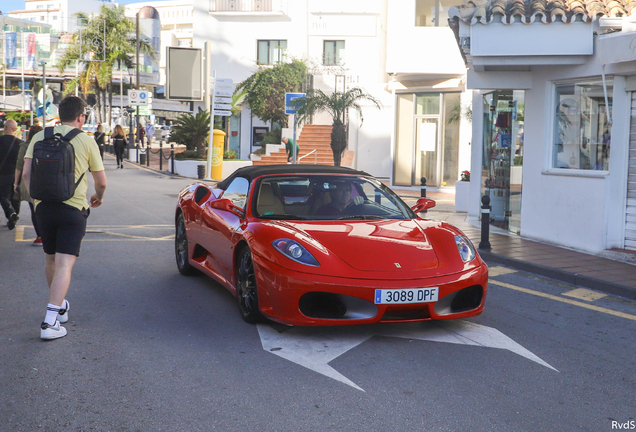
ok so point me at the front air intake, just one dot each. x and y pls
(322, 305)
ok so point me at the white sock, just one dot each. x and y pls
(51, 314)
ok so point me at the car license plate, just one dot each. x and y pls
(405, 296)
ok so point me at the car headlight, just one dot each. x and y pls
(295, 251)
(465, 248)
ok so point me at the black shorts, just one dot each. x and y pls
(62, 227)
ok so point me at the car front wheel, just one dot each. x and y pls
(181, 248)
(246, 291)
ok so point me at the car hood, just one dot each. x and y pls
(393, 245)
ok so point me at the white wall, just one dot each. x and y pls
(234, 53)
(419, 50)
(573, 208)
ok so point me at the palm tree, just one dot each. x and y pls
(336, 105)
(107, 38)
(193, 131)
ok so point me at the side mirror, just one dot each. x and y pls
(227, 205)
(423, 204)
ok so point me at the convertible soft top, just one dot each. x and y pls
(251, 172)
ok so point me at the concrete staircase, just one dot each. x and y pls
(312, 137)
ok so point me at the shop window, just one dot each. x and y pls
(503, 156)
(270, 52)
(582, 133)
(333, 53)
(432, 13)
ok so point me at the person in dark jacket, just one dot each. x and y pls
(20, 188)
(100, 139)
(9, 148)
(120, 143)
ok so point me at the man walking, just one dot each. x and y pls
(62, 225)
(9, 147)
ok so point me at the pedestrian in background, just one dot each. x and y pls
(120, 143)
(63, 224)
(100, 139)
(141, 134)
(20, 188)
(9, 148)
(289, 146)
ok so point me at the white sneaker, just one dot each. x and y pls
(62, 315)
(49, 332)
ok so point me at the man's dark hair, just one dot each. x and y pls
(70, 108)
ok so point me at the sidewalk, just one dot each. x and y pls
(612, 276)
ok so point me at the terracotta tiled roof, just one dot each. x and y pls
(546, 11)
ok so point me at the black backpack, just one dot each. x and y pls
(53, 167)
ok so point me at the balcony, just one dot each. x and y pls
(243, 7)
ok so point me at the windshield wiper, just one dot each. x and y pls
(284, 217)
(363, 217)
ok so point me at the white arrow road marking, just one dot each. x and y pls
(315, 347)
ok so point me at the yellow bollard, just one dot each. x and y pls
(218, 142)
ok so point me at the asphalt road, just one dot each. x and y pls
(151, 350)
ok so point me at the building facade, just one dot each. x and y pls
(381, 46)
(59, 14)
(551, 129)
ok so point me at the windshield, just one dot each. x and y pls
(326, 197)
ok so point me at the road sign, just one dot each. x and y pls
(138, 97)
(221, 106)
(221, 80)
(226, 93)
(289, 98)
(222, 113)
(223, 100)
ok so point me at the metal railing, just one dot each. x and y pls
(315, 153)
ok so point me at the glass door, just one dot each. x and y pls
(503, 156)
(426, 138)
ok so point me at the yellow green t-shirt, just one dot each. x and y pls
(86, 156)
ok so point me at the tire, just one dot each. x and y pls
(246, 291)
(181, 248)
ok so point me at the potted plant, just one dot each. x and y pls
(462, 190)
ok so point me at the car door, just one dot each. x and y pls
(223, 228)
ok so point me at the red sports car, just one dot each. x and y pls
(324, 245)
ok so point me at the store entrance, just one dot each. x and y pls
(427, 139)
(502, 161)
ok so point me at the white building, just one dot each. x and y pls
(553, 109)
(355, 43)
(58, 13)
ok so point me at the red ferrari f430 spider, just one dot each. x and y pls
(324, 245)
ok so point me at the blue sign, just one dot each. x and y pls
(289, 98)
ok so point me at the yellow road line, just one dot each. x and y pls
(563, 300)
(584, 294)
(19, 233)
(95, 229)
